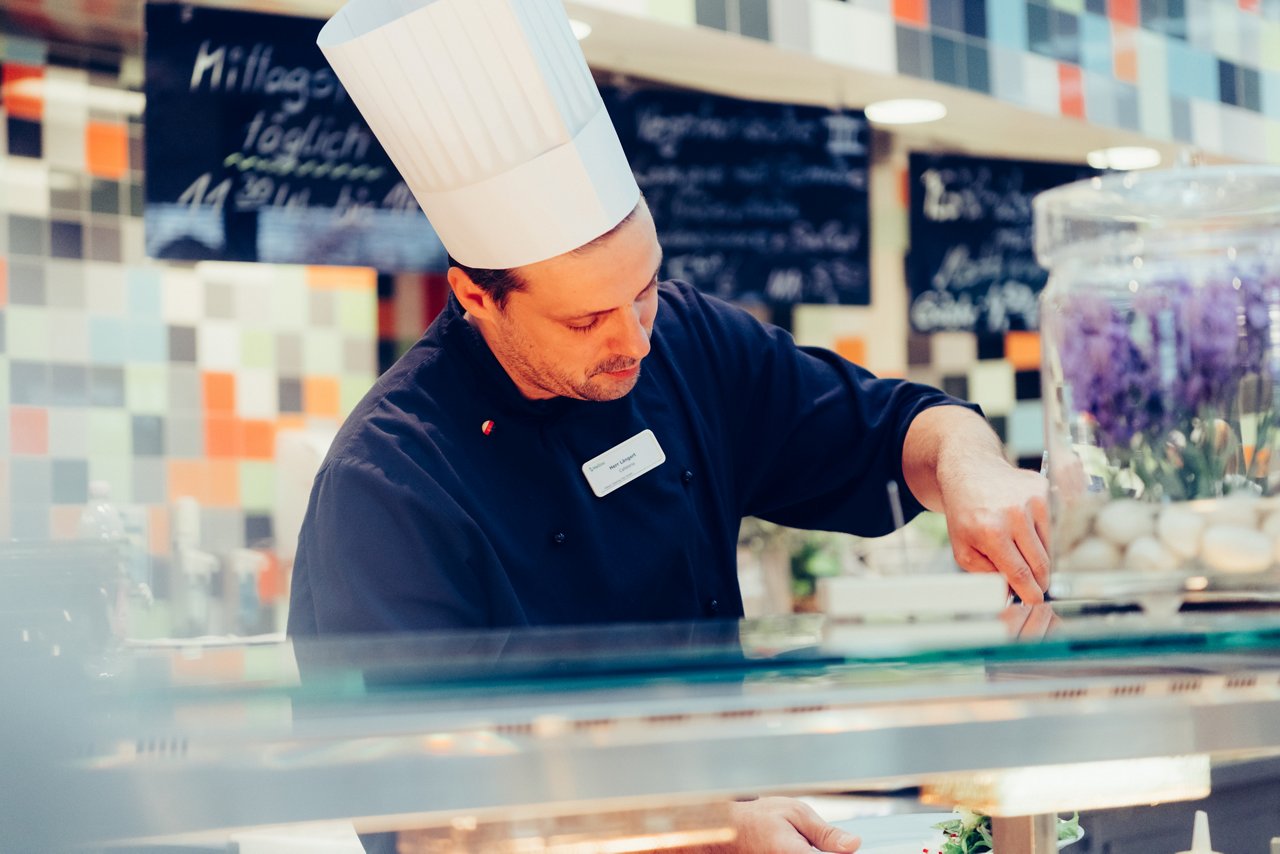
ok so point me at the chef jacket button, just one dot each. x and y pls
(686, 476)
(558, 538)
(713, 606)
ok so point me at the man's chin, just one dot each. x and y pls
(603, 388)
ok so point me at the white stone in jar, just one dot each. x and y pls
(1149, 555)
(1234, 512)
(1092, 555)
(1180, 530)
(1236, 549)
(1271, 530)
(1125, 520)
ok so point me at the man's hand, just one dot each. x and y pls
(782, 826)
(997, 515)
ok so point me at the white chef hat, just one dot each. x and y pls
(489, 111)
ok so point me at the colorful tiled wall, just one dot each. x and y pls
(1205, 72)
(163, 380)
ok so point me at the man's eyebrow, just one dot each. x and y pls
(602, 312)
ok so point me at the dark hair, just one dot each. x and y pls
(501, 284)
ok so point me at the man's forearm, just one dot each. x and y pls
(947, 442)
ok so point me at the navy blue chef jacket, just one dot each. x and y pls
(419, 519)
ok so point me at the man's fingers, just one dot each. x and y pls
(1028, 541)
(823, 836)
(1010, 563)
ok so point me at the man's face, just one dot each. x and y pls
(581, 325)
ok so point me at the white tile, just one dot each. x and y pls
(1206, 125)
(1245, 134)
(182, 297)
(256, 393)
(1154, 112)
(106, 289)
(68, 432)
(72, 347)
(24, 186)
(64, 143)
(132, 240)
(850, 36)
(1006, 75)
(1226, 31)
(218, 346)
(954, 351)
(1040, 89)
(991, 386)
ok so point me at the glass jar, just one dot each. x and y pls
(1160, 327)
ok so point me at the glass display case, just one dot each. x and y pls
(633, 736)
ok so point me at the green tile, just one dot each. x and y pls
(673, 11)
(322, 352)
(258, 348)
(27, 333)
(257, 486)
(1074, 6)
(109, 434)
(146, 389)
(351, 390)
(1273, 142)
(1269, 45)
(289, 306)
(358, 313)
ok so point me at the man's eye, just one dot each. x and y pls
(585, 328)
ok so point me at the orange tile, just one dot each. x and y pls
(913, 11)
(291, 422)
(158, 530)
(29, 430)
(219, 393)
(107, 150)
(25, 104)
(342, 278)
(64, 522)
(1124, 11)
(1251, 5)
(320, 396)
(189, 479)
(1071, 90)
(1124, 58)
(1022, 350)
(224, 483)
(222, 436)
(259, 440)
(853, 348)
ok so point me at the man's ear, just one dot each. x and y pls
(475, 300)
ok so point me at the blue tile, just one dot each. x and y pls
(1065, 35)
(1180, 119)
(1193, 73)
(1007, 23)
(1250, 89)
(108, 340)
(1128, 112)
(1039, 36)
(915, 58)
(148, 436)
(28, 522)
(1228, 92)
(29, 383)
(753, 18)
(977, 69)
(106, 386)
(711, 13)
(148, 341)
(70, 481)
(946, 61)
(975, 18)
(144, 292)
(31, 480)
(1095, 44)
(1270, 94)
(947, 16)
(25, 51)
(68, 385)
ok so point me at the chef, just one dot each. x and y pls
(576, 440)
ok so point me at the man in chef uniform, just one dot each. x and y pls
(575, 440)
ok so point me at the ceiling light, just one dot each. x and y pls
(581, 29)
(1124, 158)
(905, 111)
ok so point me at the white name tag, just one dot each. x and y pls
(623, 463)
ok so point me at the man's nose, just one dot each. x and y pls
(631, 336)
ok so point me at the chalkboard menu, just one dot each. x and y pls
(752, 201)
(254, 152)
(972, 264)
